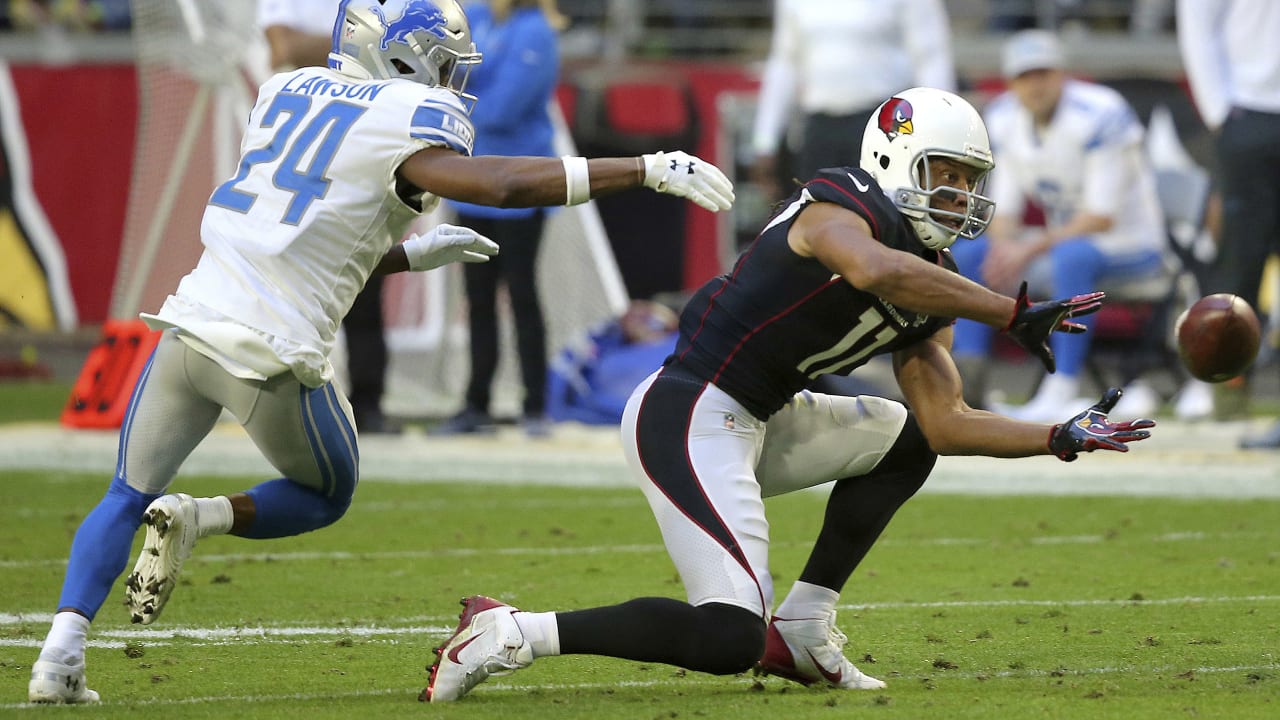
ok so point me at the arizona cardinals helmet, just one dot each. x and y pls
(908, 130)
(426, 41)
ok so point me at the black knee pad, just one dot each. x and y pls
(910, 456)
(731, 641)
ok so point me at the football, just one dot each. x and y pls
(1218, 337)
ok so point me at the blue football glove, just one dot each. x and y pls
(1032, 323)
(1091, 430)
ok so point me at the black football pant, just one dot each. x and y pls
(829, 141)
(366, 352)
(1248, 153)
(516, 266)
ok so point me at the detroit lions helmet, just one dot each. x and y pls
(426, 41)
(913, 127)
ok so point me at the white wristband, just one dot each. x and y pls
(577, 180)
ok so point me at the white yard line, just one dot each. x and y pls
(340, 556)
(1180, 460)
(414, 629)
(444, 624)
(499, 686)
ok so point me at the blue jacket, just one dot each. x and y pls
(513, 85)
(592, 383)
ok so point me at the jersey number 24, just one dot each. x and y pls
(307, 184)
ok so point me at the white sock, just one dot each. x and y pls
(214, 516)
(65, 642)
(1055, 389)
(807, 600)
(541, 631)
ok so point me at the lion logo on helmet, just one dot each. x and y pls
(895, 118)
(418, 15)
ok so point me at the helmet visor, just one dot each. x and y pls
(951, 191)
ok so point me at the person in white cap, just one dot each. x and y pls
(1073, 150)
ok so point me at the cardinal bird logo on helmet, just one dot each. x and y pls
(895, 118)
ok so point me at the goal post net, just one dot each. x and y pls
(199, 64)
(194, 64)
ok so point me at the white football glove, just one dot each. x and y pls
(445, 244)
(683, 175)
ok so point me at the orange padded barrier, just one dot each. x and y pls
(101, 393)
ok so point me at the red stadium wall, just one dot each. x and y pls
(79, 123)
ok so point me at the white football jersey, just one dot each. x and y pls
(1089, 157)
(292, 238)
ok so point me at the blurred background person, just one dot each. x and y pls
(77, 15)
(837, 60)
(591, 380)
(514, 86)
(1074, 150)
(1233, 68)
(299, 33)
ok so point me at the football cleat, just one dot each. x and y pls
(53, 682)
(172, 524)
(488, 642)
(811, 651)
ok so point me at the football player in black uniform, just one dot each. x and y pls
(855, 264)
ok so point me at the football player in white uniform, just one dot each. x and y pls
(1075, 150)
(336, 162)
(853, 265)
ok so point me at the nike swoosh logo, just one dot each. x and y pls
(861, 186)
(453, 654)
(832, 677)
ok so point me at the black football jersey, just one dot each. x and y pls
(764, 331)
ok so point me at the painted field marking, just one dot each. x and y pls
(339, 555)
(442, 625)
(498, 686)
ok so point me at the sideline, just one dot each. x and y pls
(1180, 460)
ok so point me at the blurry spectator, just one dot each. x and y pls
(1142, 17)
(78, 15)
(837, 60)
(590, 381)
(514, 87)
(1234, 73)
(1012, 15)
(1150, 17)
(1075, 150)
(299, 33)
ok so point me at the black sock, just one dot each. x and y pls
(713, 638)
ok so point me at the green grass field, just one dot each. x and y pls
(969, 608)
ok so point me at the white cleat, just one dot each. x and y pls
(488, 642)
(811, 651)
(60, 684)
(172, 524)
(1194, 401)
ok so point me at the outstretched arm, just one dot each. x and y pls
(841, 240)
(931, 386)
(539, 181)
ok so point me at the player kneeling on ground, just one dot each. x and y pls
(336, 164)
(855, 264)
